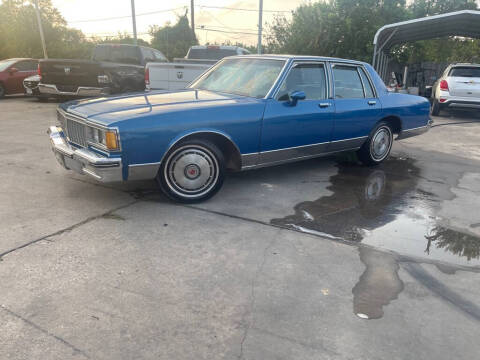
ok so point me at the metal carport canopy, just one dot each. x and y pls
(464, 23)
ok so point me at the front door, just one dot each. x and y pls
(294, 131)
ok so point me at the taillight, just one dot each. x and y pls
(39, 72)
(147, 76)
(444, 85)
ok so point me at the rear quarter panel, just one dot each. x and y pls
(413, 111)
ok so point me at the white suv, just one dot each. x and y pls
(459, 86)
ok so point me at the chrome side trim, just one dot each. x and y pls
(280, 156)
(249, 159)
(295, 147)
(279, 162)
(414, 131)
(81, 90)
(338, 145)
(355, 138)
(145, 171)
(292, 153)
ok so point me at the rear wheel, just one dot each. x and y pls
(435, 108)
(192, 171)
(378, 146)
(2, 91)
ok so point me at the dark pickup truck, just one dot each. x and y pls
(113, 69)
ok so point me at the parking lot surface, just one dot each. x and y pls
(321, 259)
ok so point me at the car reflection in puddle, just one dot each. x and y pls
(386, 208)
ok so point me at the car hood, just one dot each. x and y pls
(108, 110)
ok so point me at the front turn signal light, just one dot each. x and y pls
(111, 140)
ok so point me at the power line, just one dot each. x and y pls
(242, 9)
(127, 16)
(226, 32)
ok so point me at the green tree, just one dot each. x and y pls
(174, 41)
(345, 28)
(19, 35)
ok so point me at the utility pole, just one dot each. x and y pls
(134, 23)
(260, 11)
(42, 36)
(192, 17)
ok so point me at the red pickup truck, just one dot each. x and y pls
(12, 73)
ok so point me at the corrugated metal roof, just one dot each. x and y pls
(460, 23)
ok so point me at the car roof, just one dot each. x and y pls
(18, 59)
(464, 64)
(296, 57)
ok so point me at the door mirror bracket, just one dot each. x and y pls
(295, 96)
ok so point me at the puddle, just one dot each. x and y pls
(387, 208)
(378, 285)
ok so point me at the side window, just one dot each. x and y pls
(369, 93)
(309, 78)
(347, 82)
(147, 55)
(159, 57)
(26, 66)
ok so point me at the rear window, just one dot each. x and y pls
(117, 54)
(465, 71)
(210, 53)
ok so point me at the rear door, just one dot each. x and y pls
(464, 81)
(357, 107)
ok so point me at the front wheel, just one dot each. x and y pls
(2, 91)
(192, 171)
(378, 146)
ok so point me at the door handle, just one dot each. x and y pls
(324, 105)
(372, 102)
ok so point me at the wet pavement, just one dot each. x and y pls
(321, 259)
(386, 207)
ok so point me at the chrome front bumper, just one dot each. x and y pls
(84, 161)
(81, 91)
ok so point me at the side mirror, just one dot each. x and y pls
(295, 96)
(13, 70)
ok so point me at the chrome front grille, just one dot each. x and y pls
(74, 129)
(76, 132)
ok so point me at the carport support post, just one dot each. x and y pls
(380, 64)
(134, 23)
(384, 68)
(40, 27)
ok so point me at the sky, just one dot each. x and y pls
(93, 17)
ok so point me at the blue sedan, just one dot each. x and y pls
(245, 112)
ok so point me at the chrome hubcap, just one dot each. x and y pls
(375, 185)
(380, 145)
(191, 171)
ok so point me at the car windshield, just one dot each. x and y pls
(465, 71)
(5, 64)
(241, 76)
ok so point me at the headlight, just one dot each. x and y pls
(107, 139)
